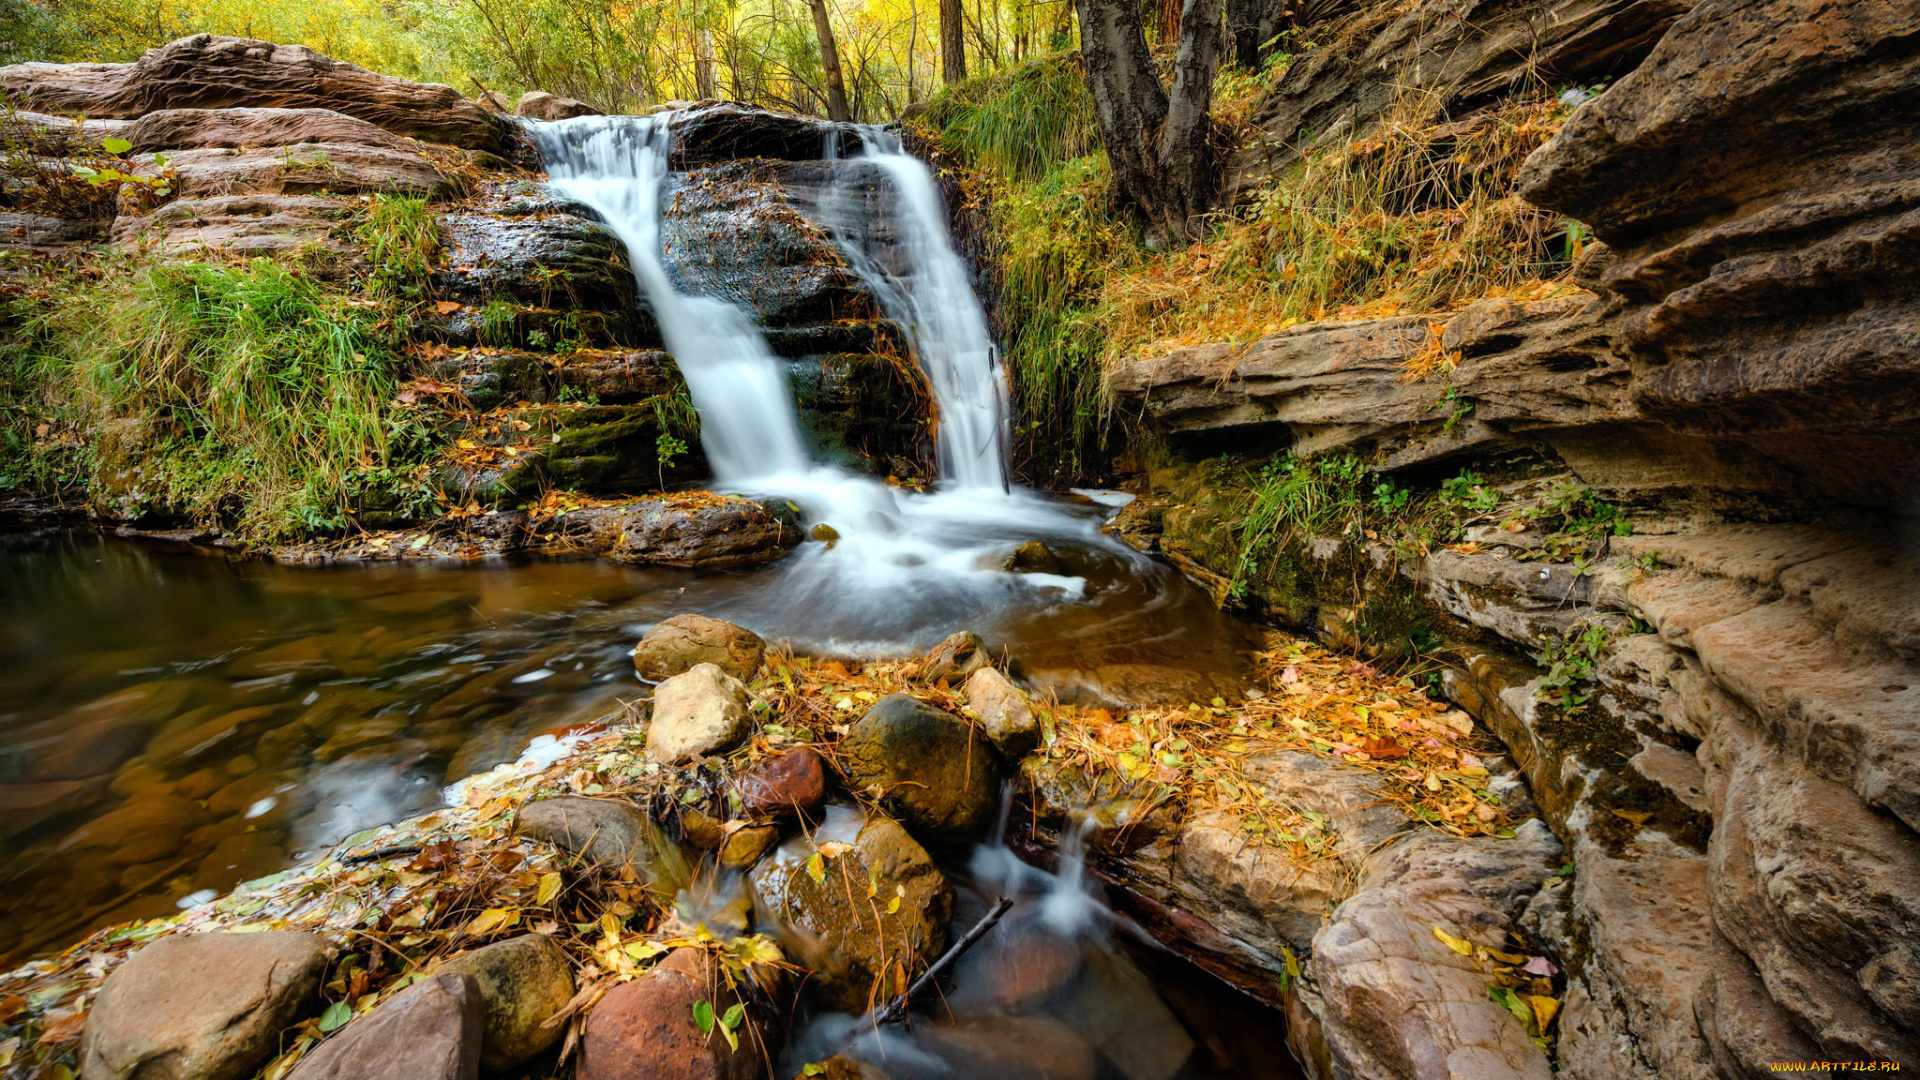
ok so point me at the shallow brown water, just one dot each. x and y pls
(172, 723)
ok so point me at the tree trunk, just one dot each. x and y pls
(830, 60)
(703, 82)
(1159, 140)
(1253, 23)
(953, 42)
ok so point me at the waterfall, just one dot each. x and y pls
(617, 165)
(897, 242)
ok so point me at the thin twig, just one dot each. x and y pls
(896, 1009)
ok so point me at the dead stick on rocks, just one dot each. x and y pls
(896, 1009)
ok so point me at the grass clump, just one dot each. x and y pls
(245, 395)
(1021, 123)
(401, 238)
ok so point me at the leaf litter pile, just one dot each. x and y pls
(399, 899)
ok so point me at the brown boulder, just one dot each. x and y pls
(937, 772)
(680, 531)
(1003, 710)
(202, 1006)
(646, 1029)
(959, 656)
(698, 712)
(831, 927)
(208, 72)
(793, 783)
(524, 982)
(540, 105)
(611, 834)
(678, 642)
(430, 1031)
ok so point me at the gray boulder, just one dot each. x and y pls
(696, 713)
(936, 772)
(202, 1006)
(430, 1031)
(676, 644)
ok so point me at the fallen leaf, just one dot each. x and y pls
(1544, 1009)
(1637, 817)
(1459, 945)
(1541, 966)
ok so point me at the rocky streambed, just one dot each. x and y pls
(724, 876)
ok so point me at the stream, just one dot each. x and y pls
(173, 723)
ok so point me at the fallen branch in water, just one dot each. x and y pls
(896, 1009)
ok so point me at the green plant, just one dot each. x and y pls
(1570, 663)
(499, 323)
(666, 450)
(402, 239)
(1296, 497)
(1469, 493)
(1456, 406)
(247, 395)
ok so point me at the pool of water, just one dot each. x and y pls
(173, 722)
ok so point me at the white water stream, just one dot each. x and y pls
(907, 567)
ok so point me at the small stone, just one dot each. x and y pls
(1003, 710)
(959, 656)
(524, 981)
(701, 829)
(202, 1006)
(646, 1030)
(699, 712)
(936, 772)
(792, 783)
(430, 1031)
(1034, 557)
(825, 533)
(612, 834)
(745, 846)
(679, 643)
(540, 105)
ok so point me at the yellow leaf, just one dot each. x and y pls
(1459, 945)
(610, 926)
(643, 950)
(893, 906)
(493, 919)
(817, 869)
(549, 888)
(1638, 817)
(1505, 957)
(1544, 1010)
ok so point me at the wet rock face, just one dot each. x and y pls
(202, 1006)
(677, 643)
(735, 231)
(430, 1031)
(1003, 710)
(933, 769)
(208, 72)
(516, 242)
(522, 981)
(831, 927)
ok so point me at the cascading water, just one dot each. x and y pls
(894, 236)
(906, 568)
(617, 165)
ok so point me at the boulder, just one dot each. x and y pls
(172, 130)
(540, 105)
(645, 1029)
(1004, 711)
(793, 783)
(611, 834)
(208, 72)
(677, 643)
(429, 1031)
(1012, 1047)
(297, 169)
(960, 655)
(1034, 557)
(936, 772)
(830, 926)
(1392, 999)
(698, 712)
(202, 1006)
(708, 532)
(516, 240)
(523, 981)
